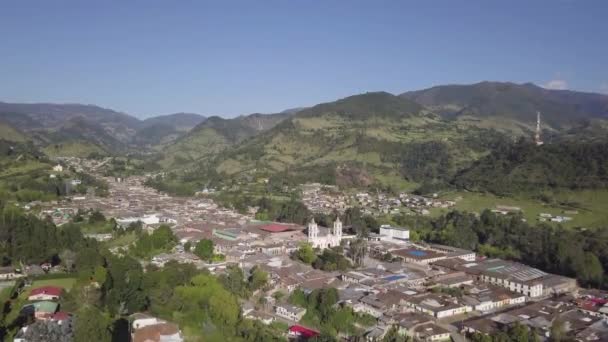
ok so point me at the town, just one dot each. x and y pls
(425, 291)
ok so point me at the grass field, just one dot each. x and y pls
(590, 204)
(122, 241)
(66, 283)
(96, 228)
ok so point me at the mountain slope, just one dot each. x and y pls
(163, 129)
(215, 135)
(180, 121)
(9, 133)
(511, 105)
(525, 167)
(372, 137)
(49, 115)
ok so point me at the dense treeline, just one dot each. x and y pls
(28, 239)
(582, 254)
(525, 167)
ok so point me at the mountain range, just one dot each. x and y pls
(82, 129)
(361, 138)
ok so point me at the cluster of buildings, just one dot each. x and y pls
(423, 289)
(430, 292)
(544, 217)
(327, 199)
(42, 308)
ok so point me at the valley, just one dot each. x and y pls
(340, 220)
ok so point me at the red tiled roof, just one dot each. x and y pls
(48, 290)
(275, 227)
(60, 316)
(303, 331)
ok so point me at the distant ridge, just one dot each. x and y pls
(512, 101)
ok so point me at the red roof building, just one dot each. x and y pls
(60, 316)
(302, 332)
(275, 228)
(45, 293)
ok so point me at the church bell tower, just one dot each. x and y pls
(337, 227)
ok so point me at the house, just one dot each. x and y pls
(490, 298)
(290, 312)
(273, 249)
(58, 168)
(301, 332)
(418, 256)
(437, 305)
(370, 305)
(161, 332)
(44, 310)
(45, 293)
(396, 233)
(8, 273)
(431, 332)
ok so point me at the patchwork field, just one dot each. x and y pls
(590, 206)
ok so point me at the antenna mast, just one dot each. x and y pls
(537, 138)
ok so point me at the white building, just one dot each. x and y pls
(325, 238)
(290, 312)
(397, 233)
(58, 168)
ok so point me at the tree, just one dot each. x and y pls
(187, 246)
(590, 271)
(358, 251)
(234, 281)
(558, 330)
(97, 217)
(204, 249)
(258, 278)
(306, 254)
(90, 324)
(393, 335)
(68, 259)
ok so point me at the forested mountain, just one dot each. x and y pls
(75, 129)
(511, 105)
(525, 167)
(52, 116)
(215, 135)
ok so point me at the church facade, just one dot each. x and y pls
(324, 237)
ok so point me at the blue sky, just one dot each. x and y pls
(237, 57)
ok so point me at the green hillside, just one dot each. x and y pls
(356, 141)
(74, 148)
(24, 173)
(215, 135)
(11, 134)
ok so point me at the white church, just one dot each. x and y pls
(321, 237)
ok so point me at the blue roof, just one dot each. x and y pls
(418, 253)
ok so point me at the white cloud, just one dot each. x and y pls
(604, 88)
(557, 84)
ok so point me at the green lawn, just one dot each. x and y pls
(123, 240)
(96, 228)
(66, 283)
(590, 204)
